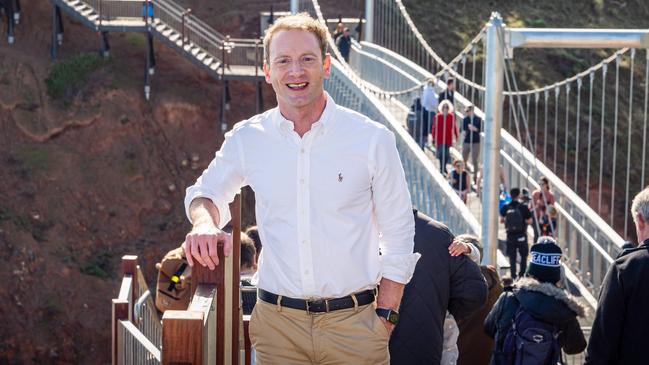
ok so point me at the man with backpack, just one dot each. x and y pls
(534, 321)
(516, 216)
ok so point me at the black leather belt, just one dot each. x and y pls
(320, 305)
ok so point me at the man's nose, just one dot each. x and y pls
(296, 68)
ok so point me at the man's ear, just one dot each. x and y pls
(267, 72)
(326, 64)
(642, 224)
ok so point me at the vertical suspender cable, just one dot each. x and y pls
(628, 145)
(474, 50)
(617, 84)
(557, 90)
(644, 128)
(579, 82)
(527, 106)
(536, 122)
(601, 140)
(565, 144)
(546, 96)
(591, 77)
(463, 60)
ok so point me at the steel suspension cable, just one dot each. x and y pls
(557, 90)
(601, 141)
(536, 122)
(565, 144)
(546, 96)
(644, 128)
(591, 78)
(628, 146)
(617, 85)
(579, 83)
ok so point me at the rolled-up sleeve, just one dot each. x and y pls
(222, 179)
(392, 209)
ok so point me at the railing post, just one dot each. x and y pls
(295, 6)
(182, 337)
(495, 65)
(129, 267)
(120, 312)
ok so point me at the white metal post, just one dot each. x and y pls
(295, 6)
(368, 31)
(494, 71)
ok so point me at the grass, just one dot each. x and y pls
(34, 158)
(71, 74)
(99, 265)
(136, 39)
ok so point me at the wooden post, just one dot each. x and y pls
(235, 212)
(129, 267)
(120, 312)
(182, 337)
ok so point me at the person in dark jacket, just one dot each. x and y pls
(473, 344)
(344, 44)
(539, 296)
(516, 237)
(419, 122)
(621, 327)
(449, 93)
(440, 282)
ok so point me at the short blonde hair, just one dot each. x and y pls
(301, 21)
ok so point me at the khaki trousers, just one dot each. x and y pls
(291, 336)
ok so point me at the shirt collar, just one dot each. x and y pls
(644, 243)
(284, 125)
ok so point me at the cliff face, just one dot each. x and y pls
(92, 175)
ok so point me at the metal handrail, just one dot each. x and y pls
(596, 239)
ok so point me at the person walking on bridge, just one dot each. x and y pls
(516, 217)
(332, 206)
(621, 327)
(444, 133)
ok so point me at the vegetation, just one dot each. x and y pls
(71, 74)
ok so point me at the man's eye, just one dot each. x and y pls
(308, 59)
(283, 61)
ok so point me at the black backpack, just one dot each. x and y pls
(530, 342)
(514, 222)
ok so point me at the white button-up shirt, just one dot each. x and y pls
(325, 203)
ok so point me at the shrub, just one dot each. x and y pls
(72, 74)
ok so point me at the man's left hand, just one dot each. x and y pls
(389, 326)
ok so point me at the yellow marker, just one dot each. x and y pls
(175, 279)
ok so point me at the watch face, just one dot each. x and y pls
(393, 317)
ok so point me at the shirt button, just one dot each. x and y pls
(301, 150)
(301, 181)
(306, 272)
(304, 242)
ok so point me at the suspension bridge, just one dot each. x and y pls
(562, 131)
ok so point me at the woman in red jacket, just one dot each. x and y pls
(444, 133)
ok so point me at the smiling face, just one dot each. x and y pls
(296, 69)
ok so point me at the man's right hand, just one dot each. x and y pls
(202, 242)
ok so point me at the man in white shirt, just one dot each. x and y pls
(330, 192)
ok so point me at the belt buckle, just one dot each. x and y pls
(326, 305)
(306, 302)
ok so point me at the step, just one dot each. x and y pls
(195, 50)
(161, 27)
(215, 66)
(208, 61)
(87, 12)
(93, 17)
(201, 56)
(73, 2)
(174, 37)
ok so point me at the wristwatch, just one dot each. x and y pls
(390, 315)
